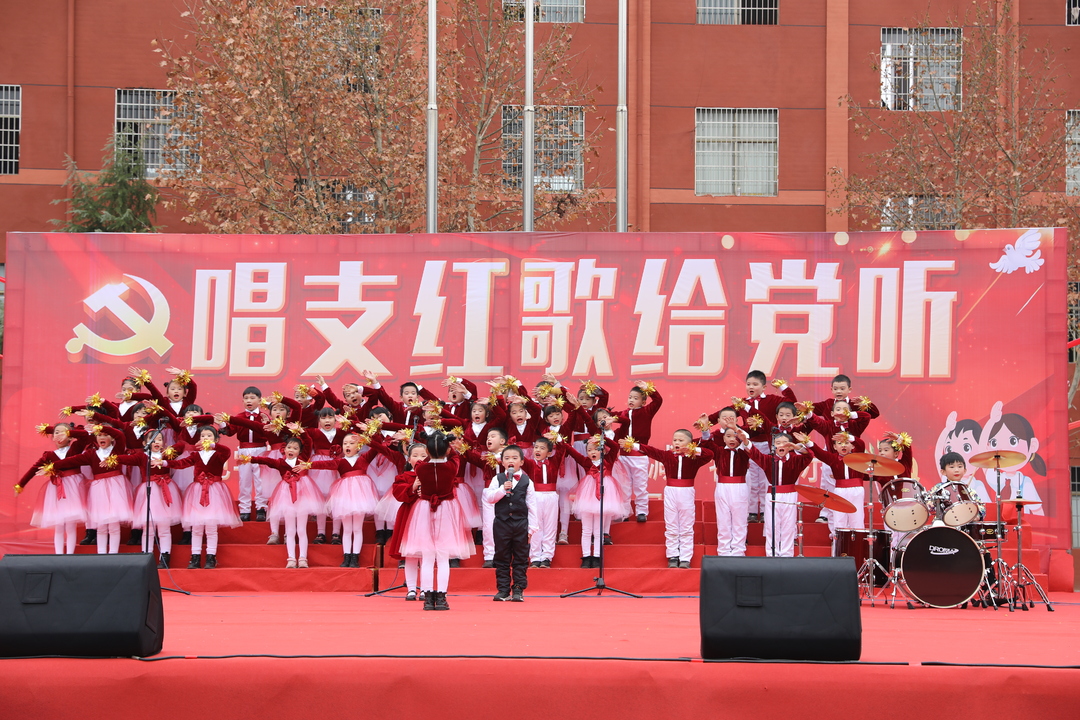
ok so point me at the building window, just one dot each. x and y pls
(560, 132)
(738, 12)
(144, 123)
(917, 212)
(1072, 152)
(358, 205)
(1072, 12)
(736, 151)
(550, 11)
(920, 69)
(10, 122)
(356, 42)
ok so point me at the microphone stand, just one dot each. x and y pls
(772, 488)
(153, 436)
(598, 582)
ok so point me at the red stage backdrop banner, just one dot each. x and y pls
(959, 337)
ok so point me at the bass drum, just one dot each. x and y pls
(939, 566)
(856, 544)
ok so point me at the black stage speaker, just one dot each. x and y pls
(780, 608)
(80, 605)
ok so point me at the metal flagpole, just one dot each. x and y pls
(432, 127)
(621, 113)
(529, 134)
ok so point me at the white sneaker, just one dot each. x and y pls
(274, 539)
(302, 562)
(563, 539)
(291, 564)
(822, 519)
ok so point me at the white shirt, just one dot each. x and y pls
(494, 492)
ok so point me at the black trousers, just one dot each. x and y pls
(511, 552)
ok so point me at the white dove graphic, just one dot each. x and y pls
(1025, 254)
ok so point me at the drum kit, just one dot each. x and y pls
(938, 551)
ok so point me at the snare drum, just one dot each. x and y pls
(906, 505)
(986, 533)
(956, 502)
(939, 566)
(855, 543)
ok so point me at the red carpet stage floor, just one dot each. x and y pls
(587, 656)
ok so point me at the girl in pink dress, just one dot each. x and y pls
(353, 495)
(166, 500)
(60, 504)
(293, 500)
(208, 502)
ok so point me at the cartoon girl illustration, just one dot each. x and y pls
(960, 436)
(1010, 431)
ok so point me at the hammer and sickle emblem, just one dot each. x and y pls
(146, 334)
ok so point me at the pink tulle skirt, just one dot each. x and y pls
(309, 501)
(386, 509)
(586, 502)
(50, 511)
(108, 500)
(270, 477)
(182, 478)
(471, 509)
(382, 472)
(352, 495)
(323, 479)
(134, 475)
(159, 511)
(220, 511)
(441, 531)
(623, 480)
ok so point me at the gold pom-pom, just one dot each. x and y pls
(458, 431)
(692, 449)
(702, 424)
(278, 424)
(140, 423)
(96, 429)
(206, 443)
(554, 437)
(559, 402)
(374, 425)
(649, 388)
(95, 400)
(754, 422)
(544, 391)
(627, 443)
(169, 454)
(18, 489)
(452, 380)
(183, 377)
(464, 447)
(805, 407)
(491, 459)
(779, 383)
(863, 403)
(48, 469)
(225, 417)
(590, 388)
(43, 428)
(153, 408)
(409, 432)
(67, 411)
(363, 440)
(189, 421)
(904, 440)
(738, 403)
(303, 390)
(110, 462)
(144, 377)
(276, 397)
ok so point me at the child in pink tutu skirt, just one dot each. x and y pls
(406, 489)
(208, 502)
(353, 495)
(108, 495)
(587, 503)
(166, 500)
(436, 531)
(293, 500)
(60, 504)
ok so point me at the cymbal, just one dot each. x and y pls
(1021, 501)
(871, 464)
(823, 497)
(997, 458)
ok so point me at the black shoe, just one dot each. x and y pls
(440, 601)
(545, 563)
(245, 517)
(488, 564)
(211, 562)
(478, 537)
(607, 539)
(517, 595)
(260, 515)
(410, 596)
(356, 560)
(185, 538)
(163, 561)
(90, 538)
(501, 596)
(684, 564)
(346, 561)
(429, 601)
(135, 538)
(455, 562)
(642, 517)
(193, 564)
(380, 537)
(673, 562)
(535, 564)
(401, 564)
(586, 561)
(320, 539)
(335, 539)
